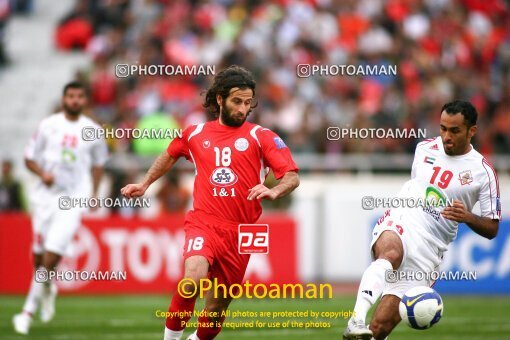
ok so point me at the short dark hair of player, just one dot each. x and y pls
(227, 79)
(73, 85)
(465, 108)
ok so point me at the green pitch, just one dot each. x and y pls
(134, 317)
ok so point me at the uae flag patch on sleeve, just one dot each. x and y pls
(429, 160)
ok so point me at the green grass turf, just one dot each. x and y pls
(133, 317)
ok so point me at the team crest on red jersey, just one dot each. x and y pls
(223, 177)
(206, 144)
(241, 144)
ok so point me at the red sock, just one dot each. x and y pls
(183, 305)
(208, 333)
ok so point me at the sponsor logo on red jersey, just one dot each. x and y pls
(223, 177)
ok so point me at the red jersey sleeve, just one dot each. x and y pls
(275, 153)
(179, 147)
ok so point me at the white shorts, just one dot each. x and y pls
(420, 256)
(53, 228)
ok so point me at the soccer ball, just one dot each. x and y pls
(421, 307)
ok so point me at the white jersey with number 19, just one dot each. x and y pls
(435, 175)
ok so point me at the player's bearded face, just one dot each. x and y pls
(236, 107)
(455, 134)
(74, 101)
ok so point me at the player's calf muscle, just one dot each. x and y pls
(382, 328)
(386, 317)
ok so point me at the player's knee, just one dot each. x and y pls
(393, 255)
(193, 289)
(197, 276)
(196, 268)
(389, 247)
(196, 273)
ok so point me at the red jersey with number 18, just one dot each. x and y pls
(229, 161)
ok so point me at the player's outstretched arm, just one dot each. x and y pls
(483, 226)
(288, 183)
(160, 166)
(46, 177)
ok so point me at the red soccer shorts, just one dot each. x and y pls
(218, 243)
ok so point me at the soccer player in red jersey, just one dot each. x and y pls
(231, 158)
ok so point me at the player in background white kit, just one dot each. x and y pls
(66, 165)
(445, 168)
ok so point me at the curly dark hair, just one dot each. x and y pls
(232, 76)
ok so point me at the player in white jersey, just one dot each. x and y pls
(445, 169)
(66, 165)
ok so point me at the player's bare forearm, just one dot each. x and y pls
(46, 177)
(33, 167)
(483, 226)
(97, 173)
(160, 166)
(288, 183)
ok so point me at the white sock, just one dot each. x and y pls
(34, 296)
(193, 336)
(172, 335)
(371, 287)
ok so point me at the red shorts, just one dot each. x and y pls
(218, 243)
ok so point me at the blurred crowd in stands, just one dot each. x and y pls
(7, 9)
(443, 49)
